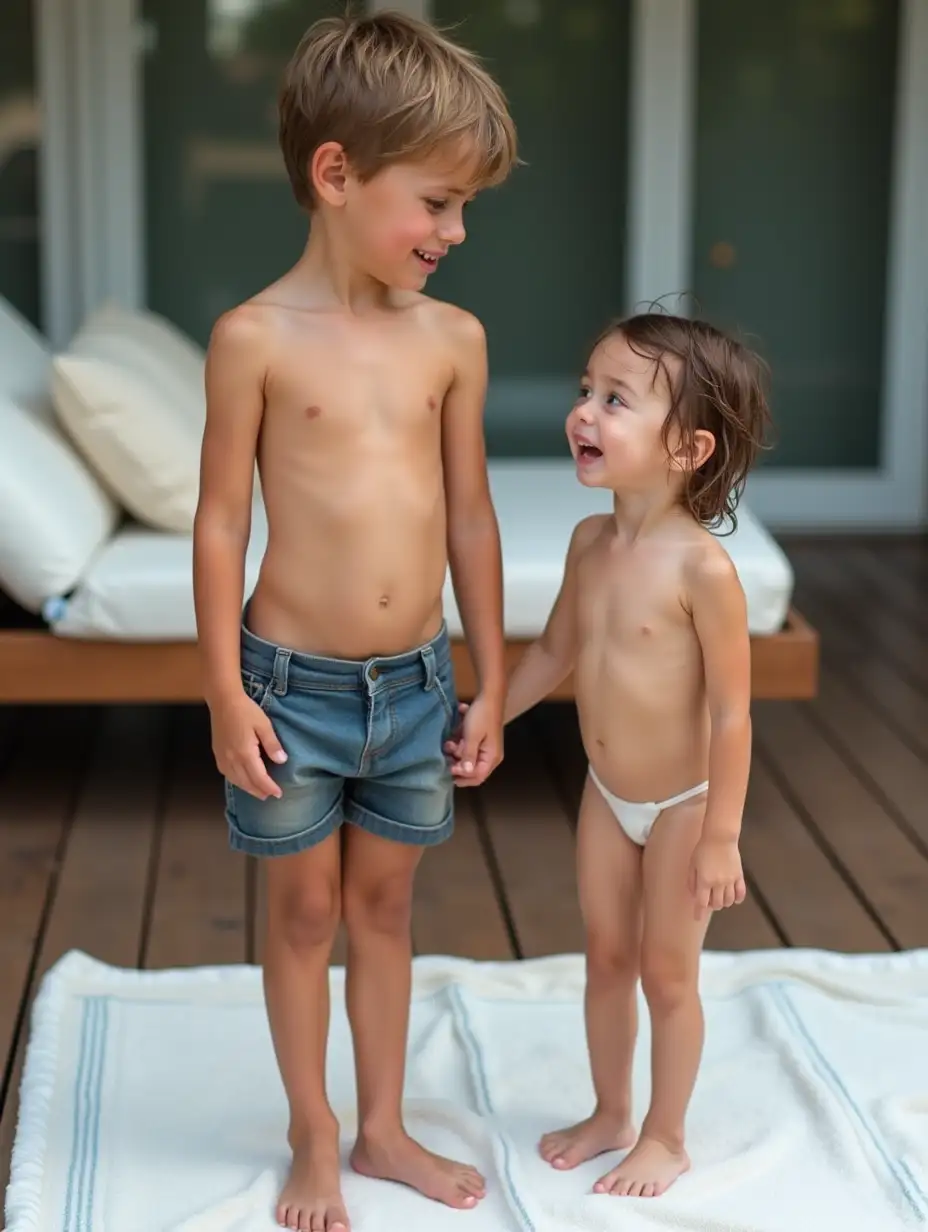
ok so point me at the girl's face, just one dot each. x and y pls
(615, 426)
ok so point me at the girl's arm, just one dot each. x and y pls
(720, 618)
(550, 659)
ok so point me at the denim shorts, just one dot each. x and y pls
(364, 743)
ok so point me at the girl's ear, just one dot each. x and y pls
(691, 455)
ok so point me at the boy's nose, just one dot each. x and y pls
(453, 232)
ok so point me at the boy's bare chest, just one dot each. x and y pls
(337, 385)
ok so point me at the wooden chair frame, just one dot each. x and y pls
(36, 666)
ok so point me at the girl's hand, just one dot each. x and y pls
(716, 877)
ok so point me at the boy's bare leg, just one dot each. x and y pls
(377, 889)
(609, 876)
(303, 915)
(671, 947)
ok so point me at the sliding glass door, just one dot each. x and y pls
(20, 137)
(795, 115)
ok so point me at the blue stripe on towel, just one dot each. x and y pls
(82, 1170)
(482, 1089)
(899, 1169)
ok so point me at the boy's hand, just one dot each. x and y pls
(477, 748)
(241, 730)
(716, 877)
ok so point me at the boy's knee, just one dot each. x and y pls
(667, 980)
(307, 917)
(611, 962)
(384, 907)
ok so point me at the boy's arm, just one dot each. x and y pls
(720, 618)
(234, 407)
(549, 659)
(474, 552)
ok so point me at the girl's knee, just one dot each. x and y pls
(669, 979)
(610, 961)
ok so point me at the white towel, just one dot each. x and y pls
(151, 1100)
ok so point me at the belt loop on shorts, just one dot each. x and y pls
(428, 660)
(281, 672)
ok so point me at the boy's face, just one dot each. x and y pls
(616, 423)
(404, 220)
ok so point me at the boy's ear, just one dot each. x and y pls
(329, 172)
(690, 456)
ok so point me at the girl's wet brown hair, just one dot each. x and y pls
(720, 387)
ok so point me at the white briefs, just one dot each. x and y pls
(637, 819)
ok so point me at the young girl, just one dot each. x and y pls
(651, 619)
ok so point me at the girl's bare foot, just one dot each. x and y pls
(601, 1132)
(399, 1158)
(646, 1172)
(311, 1200)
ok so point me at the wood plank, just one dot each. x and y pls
(893, 769)
(557, 731)
(199, 911)
(890, 873)
(456, 911)
(889, 634)
(899, 587)
(100, 895)
(534, 848)
(882, 686)
(812, 903)
(36, 666)
(35, 813)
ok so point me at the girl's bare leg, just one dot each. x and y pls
(671, 948)
(609, 876)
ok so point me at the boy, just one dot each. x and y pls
(362, 401)
(651, 619)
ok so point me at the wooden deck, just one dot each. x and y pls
(112, 839)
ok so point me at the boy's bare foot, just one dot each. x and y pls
(601, 1132)
(403, 1160)
(646, 1172)
(311, 1200)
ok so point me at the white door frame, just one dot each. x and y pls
(94, 234)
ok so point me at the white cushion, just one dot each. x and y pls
(137, 439)
(25, 362)
(140, 585)
(153, 348)
(54, 515)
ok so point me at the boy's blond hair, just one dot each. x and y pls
(387, 88)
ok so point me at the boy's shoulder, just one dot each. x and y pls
(452, 324)
(250, 325)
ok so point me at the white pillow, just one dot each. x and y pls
(137, 440)
(25, 362)
(54, 515)
(150, 346)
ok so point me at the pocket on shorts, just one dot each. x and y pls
(257, 688)
(445, 687)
